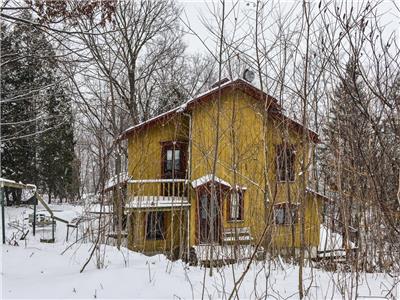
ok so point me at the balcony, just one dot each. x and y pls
(161, 194)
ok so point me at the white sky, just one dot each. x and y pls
(194, 10)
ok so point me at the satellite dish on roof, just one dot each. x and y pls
(248, 75)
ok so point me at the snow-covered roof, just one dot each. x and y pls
(12, 183)
(129, 129)
(245, 86)
(207, 178)
(180, 108)
(193, 100)
(97, 208)
(331, 243)
(298, 123)
(312, 191)
(7, 180)
(113, 181)
(157, 202)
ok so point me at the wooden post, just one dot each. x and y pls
(188, 232)
(3, 225)
(34, 220)
(52, 228)
(67, 233)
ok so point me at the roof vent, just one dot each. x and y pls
(220, 82)
(248, 75)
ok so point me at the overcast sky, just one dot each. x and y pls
(195, 10)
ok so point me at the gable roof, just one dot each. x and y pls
(318, 194)
(273, 108)
(206, 179)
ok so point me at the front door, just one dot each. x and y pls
(209, 218)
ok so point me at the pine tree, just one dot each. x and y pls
(37, 132)
(56, 153)
(23, 78)
(347, 140)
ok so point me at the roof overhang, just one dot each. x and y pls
(18, 185)
(270, 103)
(116, 180)
(318, 195)
(209, 178)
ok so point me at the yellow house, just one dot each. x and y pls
(226, 167)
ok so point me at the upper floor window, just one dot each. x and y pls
(285, 214)
(285, 162)
(173, 160)
(236, 206)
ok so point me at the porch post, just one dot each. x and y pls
(128, 228)
(3, 226)
(34, 220)
(52, 229)
(188, 231)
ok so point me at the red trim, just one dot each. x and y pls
(289, 164)
(319, 195)
(149, 123)
(175, 145)
(299, 128)
(238, 84)
(197, 224)
(287, 209)
(241, 206)
(206, 188)
(271, 105)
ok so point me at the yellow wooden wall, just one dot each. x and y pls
(282, 234)
(174, 232)
(144, 162)
(144, 146)
(244, 133)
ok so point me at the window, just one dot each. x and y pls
(236, 206)
(155, 225)
(173, 161)
(285, 160)
(280, 215)
(203, 206)
(285, 214)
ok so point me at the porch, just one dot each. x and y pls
(158, 216)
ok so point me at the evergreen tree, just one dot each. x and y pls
(24, 76)
(347, 140)
(56, 153)
(36, 117)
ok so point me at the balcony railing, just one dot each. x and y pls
(158, 193)
(160, 187)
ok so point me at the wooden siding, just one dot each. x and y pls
(245, 131)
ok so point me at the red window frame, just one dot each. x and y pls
(155, 225)
(179, 173)
(290, 213)
(285, 163)
(240, 193)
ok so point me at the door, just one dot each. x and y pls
(209, 218)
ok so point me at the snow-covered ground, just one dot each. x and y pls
(38, 270)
